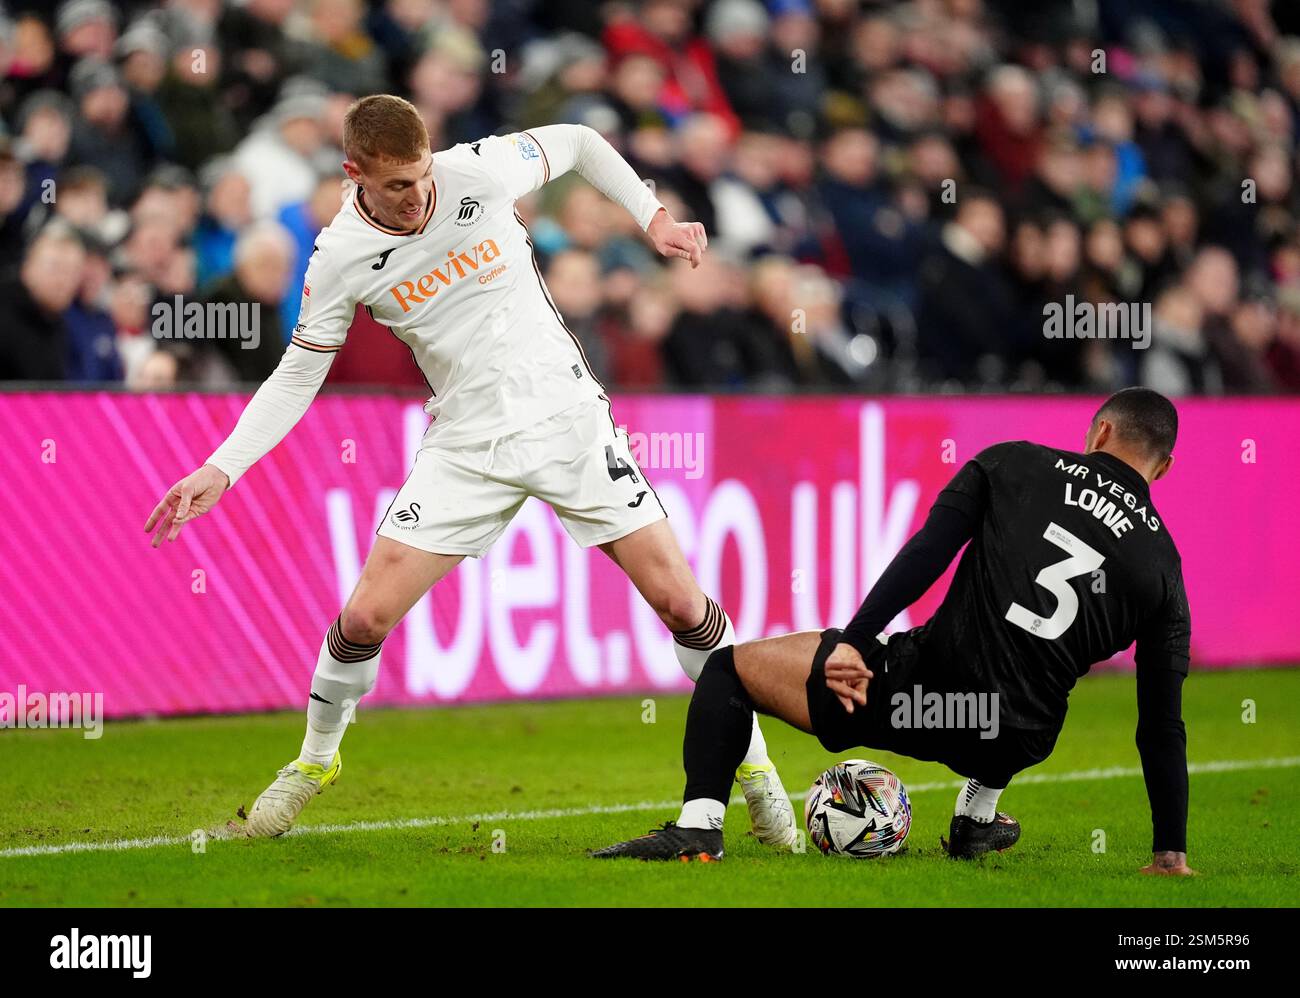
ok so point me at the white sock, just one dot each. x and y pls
(703, 812)
(716, 628)
(977, 801)
(694, 647)
(757, 752)
(345, 672)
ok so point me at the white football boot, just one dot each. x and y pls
(769, 805)
(279, 805)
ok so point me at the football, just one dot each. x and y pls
(858, 808)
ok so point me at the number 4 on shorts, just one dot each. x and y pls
(617, 466)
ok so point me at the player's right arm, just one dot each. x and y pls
(323, 321)
(953, 520)
(524, 161)
(1162, 655)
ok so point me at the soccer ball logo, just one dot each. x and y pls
(857, 808)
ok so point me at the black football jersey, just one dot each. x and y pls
(1069, 564)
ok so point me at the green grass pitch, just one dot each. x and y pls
(550, 780)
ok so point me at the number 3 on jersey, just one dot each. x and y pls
(1055, 579)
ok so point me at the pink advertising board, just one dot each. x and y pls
(787, 508)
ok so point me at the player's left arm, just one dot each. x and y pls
(1163, 652)
(528, 159)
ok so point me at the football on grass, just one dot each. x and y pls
(858, 808)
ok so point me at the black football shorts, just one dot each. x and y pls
(992, 761)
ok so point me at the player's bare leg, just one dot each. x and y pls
(654, 562)
(395, 576)
(774, 672)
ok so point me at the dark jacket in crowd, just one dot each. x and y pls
(33, 342)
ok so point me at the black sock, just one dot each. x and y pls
(718, 728)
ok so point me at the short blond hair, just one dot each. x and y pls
(384, 127)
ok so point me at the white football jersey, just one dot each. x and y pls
(462, 290)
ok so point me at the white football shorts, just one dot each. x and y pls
(459, 500)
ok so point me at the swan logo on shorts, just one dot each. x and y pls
(407, 519)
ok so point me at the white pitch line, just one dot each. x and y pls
(1074, 776)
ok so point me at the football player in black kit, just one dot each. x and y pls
(1068, 562)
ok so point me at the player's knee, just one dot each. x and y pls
(720, 670)
(365, 625)
(723, 660)
(679, 609)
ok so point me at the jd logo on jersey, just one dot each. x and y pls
(456, 267)
(470, 212)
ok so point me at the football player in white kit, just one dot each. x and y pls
(433, 248)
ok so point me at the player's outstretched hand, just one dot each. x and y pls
(1169, 864)
(187, 500)
(677, 239)
(847, 676)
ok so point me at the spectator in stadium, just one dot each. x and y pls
(259, 55)
(562, 79)
(1213, 280)
(883, 243)
(149, 250)
(202, 127)
(1284, 352)
(34, 346)
(1179, 361)
(129, 300)
(573, 278)
(703, 152)
(84, 29)
(826, 132)
(171, 194)
(45, 131)
(31, 63)
(447, 86)
(710, 344)
(745, 197)
(92, 338)
(1166, 149)
(282, 156)
(340, 53)
(965, 310)
(636, 83)
(1254, 328)
(636, 346)
(227, 210)
(663, 30)
(737, 30)
(795, 62)
(303, 221)
(264, 255)
(105, 135)
(13, 185)
(1008, 125)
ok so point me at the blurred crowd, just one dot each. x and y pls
(894, 192)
